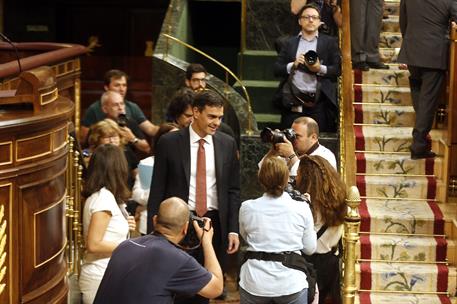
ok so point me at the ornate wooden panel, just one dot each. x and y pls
(33, 160)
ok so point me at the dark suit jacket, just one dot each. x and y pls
(329, 55)
(171, 176)
(424, 26)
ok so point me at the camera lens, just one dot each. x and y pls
(311, 57)
(122, 120)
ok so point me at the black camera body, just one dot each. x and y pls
(122, 120)
(191, 240)
(200, 220)
(311, 57)
(272, 136)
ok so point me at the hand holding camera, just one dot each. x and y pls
(203, 228)
(312, 61)
(281, 140)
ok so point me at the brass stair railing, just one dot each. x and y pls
(228, 72)
(75, 242)
(347, 161)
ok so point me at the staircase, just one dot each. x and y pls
(403, 248)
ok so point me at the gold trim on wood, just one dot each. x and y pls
(10, 143)
(3, 238)
(35, 265)
(37, 155)
(53, 97)
(64, 142)
(10, 240)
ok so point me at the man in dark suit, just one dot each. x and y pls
(316, 82)
(424, 25)
(177, 172)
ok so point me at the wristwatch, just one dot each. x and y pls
(290, 157)
(134, 140)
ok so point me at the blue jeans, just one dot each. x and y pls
(300, 297)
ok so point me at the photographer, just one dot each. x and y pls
(308, 87)
(153, 269)
(301, 139)
(114, 108)
(275, 226)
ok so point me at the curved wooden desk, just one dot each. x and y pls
(33, 157)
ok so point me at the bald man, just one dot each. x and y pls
(153, 269)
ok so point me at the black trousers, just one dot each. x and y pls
(426, 88)
(327, 268)
(198, 255)
(323, 112)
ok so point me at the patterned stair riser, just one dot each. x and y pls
(390, 24)
(401, 217)
(383, 139)
(391, 77)
(403, 248)
(391, 9)
(371, 163)
(378, 94)
(382, 298)
(389, 55)
(394, 116)
(397, 187)
(390, 40)
(407, 277)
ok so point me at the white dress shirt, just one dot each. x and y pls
(275, 225)
(211, 189)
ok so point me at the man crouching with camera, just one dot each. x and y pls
(114, 107)
(153, 268)
(302, 138)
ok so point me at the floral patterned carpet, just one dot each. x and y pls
(402, 250)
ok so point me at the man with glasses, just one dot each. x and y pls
(309, 88)
(196, 77)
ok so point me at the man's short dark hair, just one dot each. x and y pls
(113, 74)
(183, 98)
(309, 5)
(194, 68)
(207, 98)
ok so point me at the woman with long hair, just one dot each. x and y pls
(320, 180)
(273, 226)
(105, 222)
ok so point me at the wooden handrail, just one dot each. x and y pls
(452, 109)
(49, 53)
(347, 142)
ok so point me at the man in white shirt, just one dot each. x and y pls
(306, 142)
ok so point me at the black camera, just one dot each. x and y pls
(311, 57)
(122, 120)
(271, 136)
(191, 240)
(200, 220)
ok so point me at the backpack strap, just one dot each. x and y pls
(321, 231)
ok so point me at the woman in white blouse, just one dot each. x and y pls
(320, 180)
(105, 222)
(275, 223)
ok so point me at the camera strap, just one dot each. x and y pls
(306, 100)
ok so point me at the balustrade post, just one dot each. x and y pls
(350, 239)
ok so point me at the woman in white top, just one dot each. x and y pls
(275, 223)
(320, 180)
(105, 222)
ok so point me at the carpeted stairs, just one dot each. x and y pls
(403, 249)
